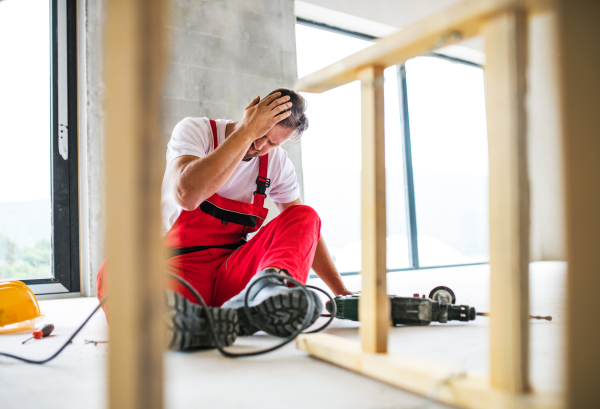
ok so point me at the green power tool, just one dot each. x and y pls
(437, 307)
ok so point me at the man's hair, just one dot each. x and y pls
(297, 120)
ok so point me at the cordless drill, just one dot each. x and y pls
(438, 307)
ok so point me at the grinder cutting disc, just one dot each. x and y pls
(437, 291)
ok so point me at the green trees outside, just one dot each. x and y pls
(25, 239)
(21, 261)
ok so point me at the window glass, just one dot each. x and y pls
(331, 153)
(446, 104)
(25, 207)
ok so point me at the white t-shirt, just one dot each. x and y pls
(193, 136)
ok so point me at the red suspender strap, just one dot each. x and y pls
(263, 166)
(262, 182)
(213, 126)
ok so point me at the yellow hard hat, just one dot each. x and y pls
(17, 303)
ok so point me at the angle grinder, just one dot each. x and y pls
(439, 306)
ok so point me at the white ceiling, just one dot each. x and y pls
(381, 18)
(395, 13)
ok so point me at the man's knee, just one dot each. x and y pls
(303, 212)
(303, 217)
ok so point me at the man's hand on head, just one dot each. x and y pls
(261, 116)
(195, 178)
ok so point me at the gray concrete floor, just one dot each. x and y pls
(287, 377)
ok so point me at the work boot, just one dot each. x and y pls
(188, 326)
(275, 308)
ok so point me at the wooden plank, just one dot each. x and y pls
(579, 65)
(466, 390)
(464, 18)
(374, 309)
(135, 61)
(505, 46)
(544, 143)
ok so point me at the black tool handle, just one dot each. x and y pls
(47, 330)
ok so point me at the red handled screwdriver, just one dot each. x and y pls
(41, 333)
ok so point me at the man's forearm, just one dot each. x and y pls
(326, 270)
(200, 178)
(195, 180)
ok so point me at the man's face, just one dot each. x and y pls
(274, 138)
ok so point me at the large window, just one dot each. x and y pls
(446, 111)
(436, 156)
(331, 153)
(39, 241)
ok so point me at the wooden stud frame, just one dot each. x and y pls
(504, 24)
(580, 82)
(505, 38)
(374, 303)
(135, 63)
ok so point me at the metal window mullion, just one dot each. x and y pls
(409, 183)
(73, 145)
(455, 60)
(63, 79)
(334, 29)
(65, 224)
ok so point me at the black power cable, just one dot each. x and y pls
(211, 323)
(43, 361)
(331, 316)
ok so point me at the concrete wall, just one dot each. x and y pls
(224, 53)
(91, 141)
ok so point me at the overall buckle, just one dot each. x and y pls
(262, 184)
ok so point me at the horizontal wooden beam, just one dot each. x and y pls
(457, 22)
(457, 388)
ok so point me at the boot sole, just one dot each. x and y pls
(279, 315)
(188, 326)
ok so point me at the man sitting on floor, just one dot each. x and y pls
(218, 174)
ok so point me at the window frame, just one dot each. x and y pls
(64, 154)
(409, 183)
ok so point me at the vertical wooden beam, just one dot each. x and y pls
(374, 310)
(579, 67)
(135, 61)
(505, 46)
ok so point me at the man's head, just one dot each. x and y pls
(297, 121)
(291, 128)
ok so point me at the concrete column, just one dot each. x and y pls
(92, 217)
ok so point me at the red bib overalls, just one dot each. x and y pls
(210, 247)
(220, 222)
